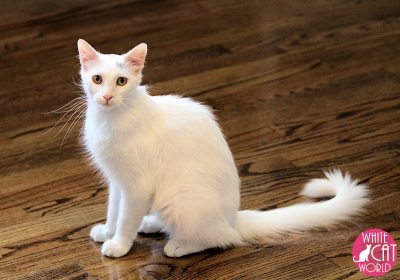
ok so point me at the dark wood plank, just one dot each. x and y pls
(298, 87)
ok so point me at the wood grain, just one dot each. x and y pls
(298, 86)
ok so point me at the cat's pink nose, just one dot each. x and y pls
(107, 97)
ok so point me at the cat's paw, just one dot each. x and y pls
(150, 224)
(115, 248)
(175, 249)
(100, 233)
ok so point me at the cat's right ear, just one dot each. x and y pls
(87, 53)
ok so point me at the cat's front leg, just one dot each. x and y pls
(133, 206)
(104, 232)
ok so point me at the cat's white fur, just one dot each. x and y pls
(170, 169)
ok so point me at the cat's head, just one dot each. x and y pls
(109, 79)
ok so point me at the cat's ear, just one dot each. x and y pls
(136, 57)
(87, 53)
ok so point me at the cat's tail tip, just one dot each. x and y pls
(337, 184)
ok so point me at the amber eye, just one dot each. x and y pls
(97, 79)
(121, 81)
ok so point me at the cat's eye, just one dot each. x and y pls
(121, 81)
(97, 79)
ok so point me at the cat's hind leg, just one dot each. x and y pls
(218, 236)
(195, 225)
(151, 224)
(101, 233)
(176, 249)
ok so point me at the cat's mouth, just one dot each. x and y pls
(106, 105)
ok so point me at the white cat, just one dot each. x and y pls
(166, 157)
(363, 256)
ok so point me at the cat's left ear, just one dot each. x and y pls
(87, 53)
(136, 57)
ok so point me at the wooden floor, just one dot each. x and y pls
(298, 86)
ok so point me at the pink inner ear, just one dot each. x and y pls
(86, 53)
(135, 61)
(85, 59)
(137, 56)
(87, 56)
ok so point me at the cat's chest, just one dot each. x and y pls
(97, 145)
(116, 146)
(100, 140)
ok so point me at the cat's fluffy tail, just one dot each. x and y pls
(349, 200)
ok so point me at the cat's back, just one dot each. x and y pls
(190, 125)
(184, 112)
(189, 121)
(175, 105)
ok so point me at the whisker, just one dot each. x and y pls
(74, 122)
(71, 103)
(76, 119)
(79, 85)
(80, 98)
(71, 108)
(50, 129)
(77, 110)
